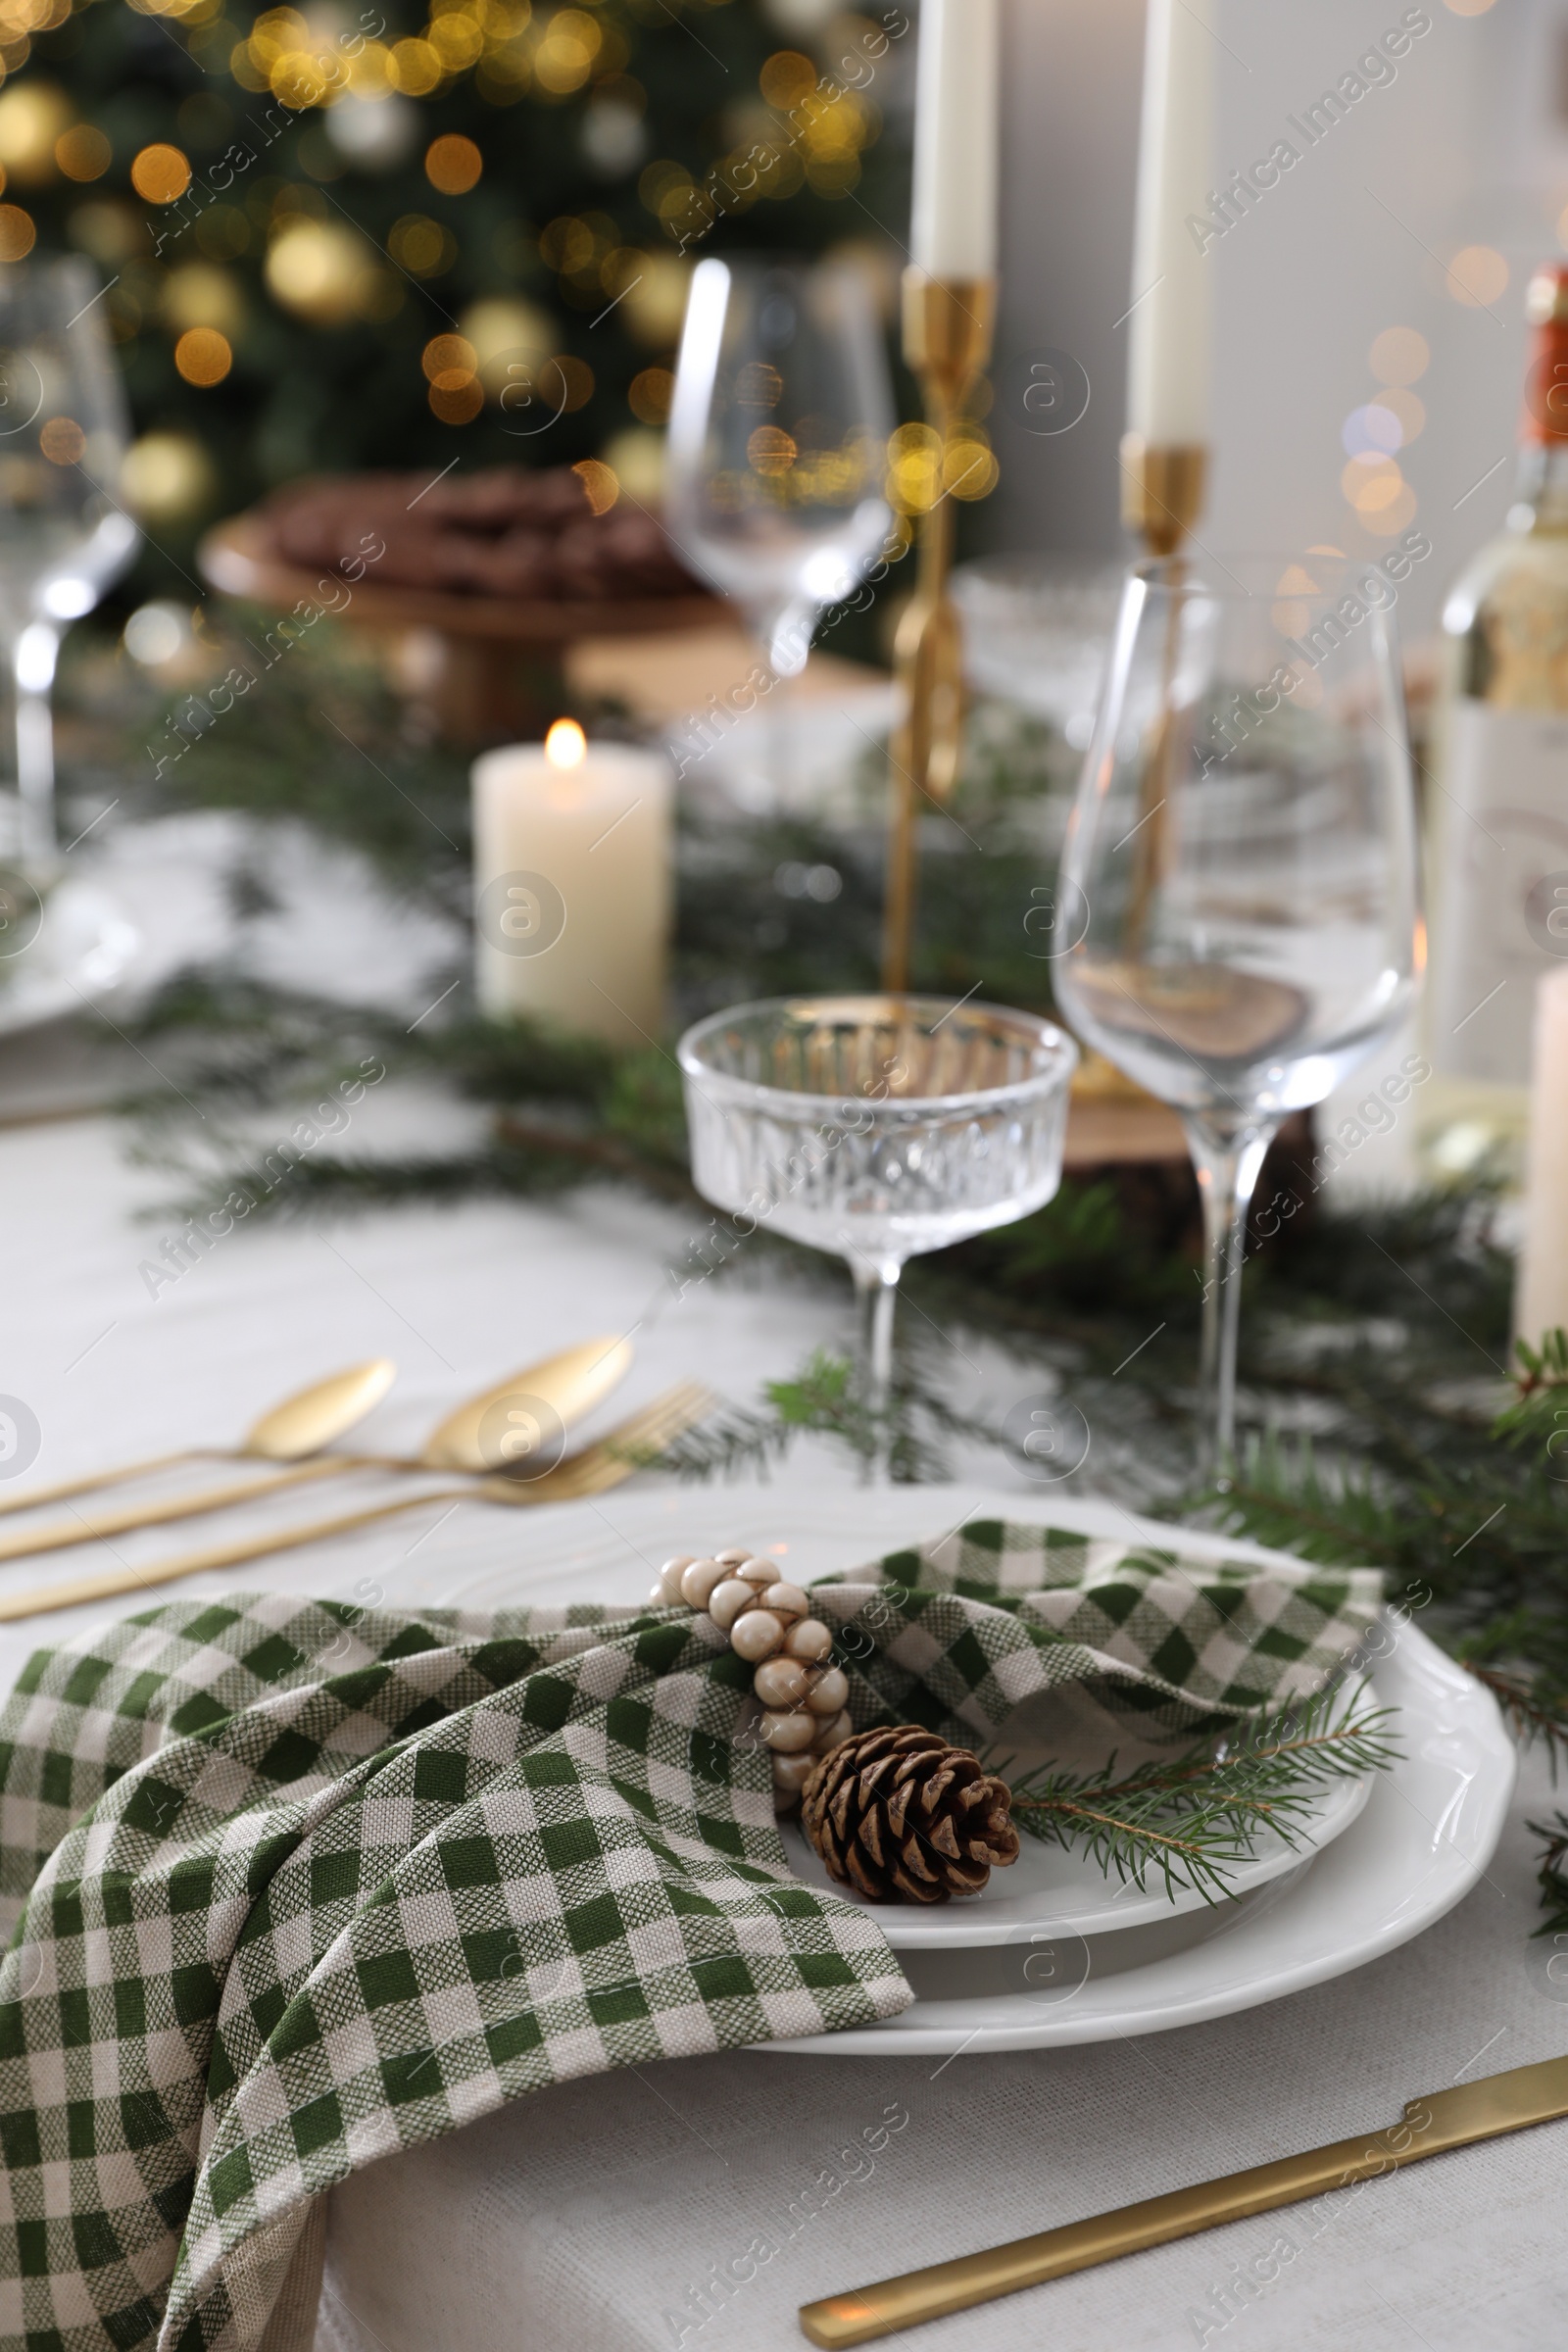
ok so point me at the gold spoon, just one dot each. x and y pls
(593, 1470)
(471, 1438)
(303, 1424)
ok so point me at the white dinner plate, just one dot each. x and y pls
(1423, 1838)
(1423, 1835)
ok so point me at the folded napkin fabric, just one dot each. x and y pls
(295, 1884)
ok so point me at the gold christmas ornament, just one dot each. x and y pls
(314, 268)
(167, 477)
(34, 115)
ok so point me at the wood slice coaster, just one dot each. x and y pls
(1105, 1134)
(1207, 1009)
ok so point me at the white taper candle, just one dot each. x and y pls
(1171, 322)
(954, 228)
(1542, 1295)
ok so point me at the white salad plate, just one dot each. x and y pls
(1055, 1966)
(1051, 1891)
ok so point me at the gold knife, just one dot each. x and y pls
(1450, 2119)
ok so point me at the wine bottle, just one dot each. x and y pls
(1497, 820)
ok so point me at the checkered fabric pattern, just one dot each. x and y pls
(961, 1631)
(295, 1886)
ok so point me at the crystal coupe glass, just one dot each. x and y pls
(877, 1128)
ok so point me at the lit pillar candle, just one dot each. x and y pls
(1171, 322)
(571, 859)
(1541, 1302)
(954, 228)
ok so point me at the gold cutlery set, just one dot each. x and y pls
(499, 1441)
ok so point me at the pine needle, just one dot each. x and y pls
(1535, 1714)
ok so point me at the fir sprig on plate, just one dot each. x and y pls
(1194, 1820)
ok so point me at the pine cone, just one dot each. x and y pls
(900, 1816)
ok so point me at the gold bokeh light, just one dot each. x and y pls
(1400, 356)
(1478, 276)
(453, 165)
(83, 153)
(62, 441)
(18, 233)
(160, 174)
(203, 356)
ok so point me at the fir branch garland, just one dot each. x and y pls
(1375, 1342)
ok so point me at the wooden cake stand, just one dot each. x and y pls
(489, 666)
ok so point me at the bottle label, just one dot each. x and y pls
(1500, 906)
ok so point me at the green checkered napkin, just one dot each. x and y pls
(296, 1885)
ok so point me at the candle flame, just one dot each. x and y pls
(566, 745)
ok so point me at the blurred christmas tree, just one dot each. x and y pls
(339, 239)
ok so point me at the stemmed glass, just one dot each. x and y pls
(778, 432)
(878, 1128)
(63, 538)
(1237, 923)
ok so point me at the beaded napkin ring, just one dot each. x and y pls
(769, 1624)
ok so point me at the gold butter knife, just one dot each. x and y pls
(1448, 2119)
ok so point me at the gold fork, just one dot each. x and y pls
(592, 1470)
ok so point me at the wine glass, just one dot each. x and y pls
(878, 1128)
(1037, 632)
(778, 432)
(1238, 923)
(63, 538)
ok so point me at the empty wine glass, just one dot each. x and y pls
(878, 1128)
(63, 537)
(1237, 923)
(778, 432)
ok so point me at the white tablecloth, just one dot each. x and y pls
(114, 1367)
(603, 2215)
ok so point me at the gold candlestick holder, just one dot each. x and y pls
(1162, 490)
(948, 325)
(1161, 498)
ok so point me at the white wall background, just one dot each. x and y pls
(1468, 146)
